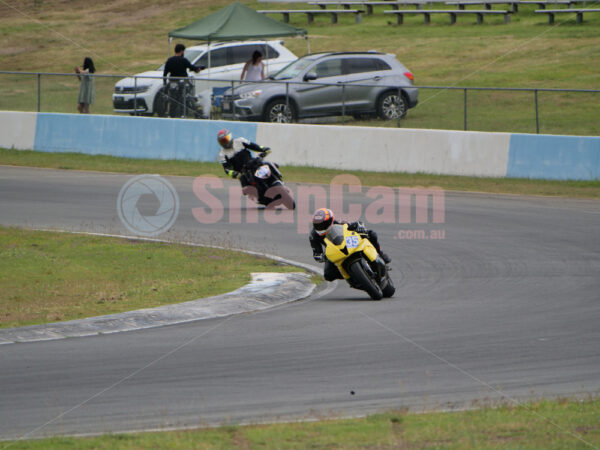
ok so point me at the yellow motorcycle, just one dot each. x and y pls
(358, 261)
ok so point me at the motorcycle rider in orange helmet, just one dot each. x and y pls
(323, 219)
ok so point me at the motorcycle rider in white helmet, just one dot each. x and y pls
(236, 154)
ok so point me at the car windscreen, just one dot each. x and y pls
(192, 55)
(293, 69)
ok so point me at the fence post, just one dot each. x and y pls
(465, 107)
(399, 123)
(287, 95)
(343, 103)
(232, 99)
(135, 96)
(39, 91)
(183, 85)
(537, 117)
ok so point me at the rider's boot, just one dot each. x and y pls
(385, 256)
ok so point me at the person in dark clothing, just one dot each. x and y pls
(236, 153)
(323, 219)
(86, 90)
(176, 67)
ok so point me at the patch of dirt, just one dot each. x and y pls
(586, 429)
(6, 51)
(126, 12)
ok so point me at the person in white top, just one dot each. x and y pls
(254, 69)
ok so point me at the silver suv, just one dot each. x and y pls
(327, 84)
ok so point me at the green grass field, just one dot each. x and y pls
(62, 276)
(127, 37)
(78, 161)
(561, 424)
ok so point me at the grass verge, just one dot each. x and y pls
(63, 276)
(78, 161)
(560, 424)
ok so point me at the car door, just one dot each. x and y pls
(363, 77)
(207, 79)
(218, 62)
(322, 95)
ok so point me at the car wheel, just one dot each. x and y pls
(280, 112)
(391, 106)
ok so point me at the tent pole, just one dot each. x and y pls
(208, 50)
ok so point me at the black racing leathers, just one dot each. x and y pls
(330, 271)
(237, 157)
(242, 157)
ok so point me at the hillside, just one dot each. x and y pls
(128, 36)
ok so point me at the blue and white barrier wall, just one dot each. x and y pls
(345, 148)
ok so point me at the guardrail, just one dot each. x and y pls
(526, 110)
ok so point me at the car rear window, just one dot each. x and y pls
(382, 65)
(359, 65)
(242, 53)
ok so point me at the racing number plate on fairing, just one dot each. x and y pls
(263, 172)
(351, 241)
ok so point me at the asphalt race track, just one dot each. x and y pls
(504, 306)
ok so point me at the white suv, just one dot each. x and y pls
(139, 94)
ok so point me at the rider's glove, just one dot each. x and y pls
(360, 228)
(265, 151)
(319, 257)
(231, 173)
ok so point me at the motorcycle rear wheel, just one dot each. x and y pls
(287, 199)
(281, 195)
(357, 272)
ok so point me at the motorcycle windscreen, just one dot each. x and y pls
(336, 234)
(335, 242)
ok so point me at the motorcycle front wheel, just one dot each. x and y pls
(389, 290)
(358, 273)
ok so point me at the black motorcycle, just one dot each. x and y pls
(176, 99)
(263, 183)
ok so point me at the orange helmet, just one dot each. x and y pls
(224, 137)
(322, 221)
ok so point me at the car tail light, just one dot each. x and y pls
(409, 75)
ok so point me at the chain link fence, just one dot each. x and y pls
(515, 110)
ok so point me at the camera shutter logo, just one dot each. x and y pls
(166, 213)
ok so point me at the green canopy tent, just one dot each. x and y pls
(235, 22)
